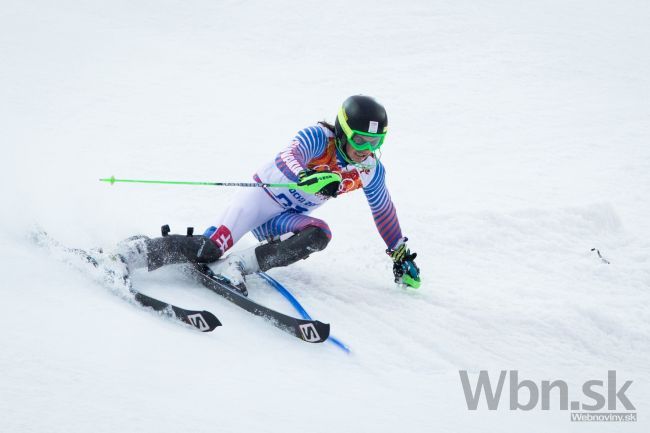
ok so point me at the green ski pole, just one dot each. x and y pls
(312, 184)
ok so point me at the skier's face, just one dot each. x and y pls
(356, 155)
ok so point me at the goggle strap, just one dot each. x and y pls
(344, 123)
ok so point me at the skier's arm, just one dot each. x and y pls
(383, 210)
(405, 270)
(306, 145)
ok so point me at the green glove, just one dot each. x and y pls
(399, 253)
(405, 270)
(319, 182)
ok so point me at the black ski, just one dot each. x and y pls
(311, 331)
(204, 321)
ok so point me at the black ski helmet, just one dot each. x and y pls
(361, 113)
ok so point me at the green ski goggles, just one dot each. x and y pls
(360, 140)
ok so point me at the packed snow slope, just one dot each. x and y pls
(519, 140)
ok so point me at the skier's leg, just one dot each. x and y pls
(248, 209)
(310, 235)
(172, 249)
(143, 252)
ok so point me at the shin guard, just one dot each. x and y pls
(297, 247)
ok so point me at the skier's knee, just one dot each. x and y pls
(297, 247)
(316, 238)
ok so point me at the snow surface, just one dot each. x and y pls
(519, 140)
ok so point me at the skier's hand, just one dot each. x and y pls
(404, 268)
(319, 182)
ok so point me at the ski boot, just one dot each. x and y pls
(112, 267)
(236, 266)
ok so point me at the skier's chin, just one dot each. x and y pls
(358, 156)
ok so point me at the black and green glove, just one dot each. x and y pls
(404, 268)
(324, 183)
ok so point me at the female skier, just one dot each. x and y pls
(332, 160)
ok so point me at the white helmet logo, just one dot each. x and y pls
(373, 126)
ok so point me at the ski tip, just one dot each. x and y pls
(313, 331)
(212, 320)
(204, 321)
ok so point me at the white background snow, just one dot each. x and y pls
(519, 140)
